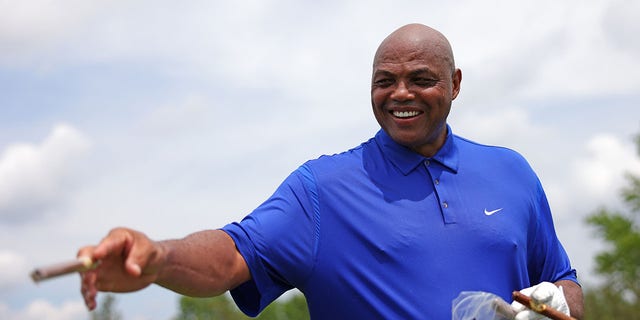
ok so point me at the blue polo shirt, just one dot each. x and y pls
(380, 232)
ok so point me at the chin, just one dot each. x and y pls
(407, 140)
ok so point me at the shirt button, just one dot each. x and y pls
(445, 205)
(426, 163)
(437, 181)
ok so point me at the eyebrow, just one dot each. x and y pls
(422, 70)
(383, 73)
(413, 73)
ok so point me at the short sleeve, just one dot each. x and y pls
(277, 240)
(548, 260)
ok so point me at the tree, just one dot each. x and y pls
(107, 310)
(294, 308)
(219, 307)
(619, 296)
(222, 307)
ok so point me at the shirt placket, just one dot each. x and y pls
(443, 193)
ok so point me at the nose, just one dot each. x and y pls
(402, 92)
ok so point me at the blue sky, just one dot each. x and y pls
(175, 117)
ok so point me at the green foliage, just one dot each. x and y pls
(222, 307)
(632, 193)
(219, 307)
(619, 296)
(295, 308)
(621, 263)
(606, 303)
(107, 309)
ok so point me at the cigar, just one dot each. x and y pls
(79, 265)
(540, 308)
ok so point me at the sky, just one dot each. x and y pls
(173, 117)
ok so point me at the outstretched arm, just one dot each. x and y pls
(205, 263)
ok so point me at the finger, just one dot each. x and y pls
(544, 292)
(90, 299)
(114, 243)
(88, 289)
(517, 306)
(133, 268)
(86, 252)
(140, 255)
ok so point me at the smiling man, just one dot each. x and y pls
(395, 228)
(414, 82)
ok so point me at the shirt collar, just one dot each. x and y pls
(407, 160)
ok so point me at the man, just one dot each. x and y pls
(395, 228)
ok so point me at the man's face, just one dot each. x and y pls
(411, 94)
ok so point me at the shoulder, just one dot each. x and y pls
(493, 158)
(348, 158)
(471, 148)
(338, 166)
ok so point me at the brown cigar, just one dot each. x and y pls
(540, 308)
(79, 265)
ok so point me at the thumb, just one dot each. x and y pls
(133, 268)
(544, 292)
(142, 257)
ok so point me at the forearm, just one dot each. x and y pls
(573, 295)
(204, 263)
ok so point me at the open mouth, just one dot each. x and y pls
(405, 114)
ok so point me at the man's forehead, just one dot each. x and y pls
(400, 52)
(415, 44)
(411, 69)
(410, 61)
(404, 51)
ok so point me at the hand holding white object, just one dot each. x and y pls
(542, 293)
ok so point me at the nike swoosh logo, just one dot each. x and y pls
(488, 213)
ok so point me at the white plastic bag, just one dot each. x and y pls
(479, 305)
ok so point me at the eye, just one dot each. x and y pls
(383, 82)
(424, 82)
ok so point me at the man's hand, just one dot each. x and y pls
(128, 261)
(546, 293)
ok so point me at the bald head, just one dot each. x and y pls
(415, 39)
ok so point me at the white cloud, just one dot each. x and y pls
(13, 268)
(35, 177)
(589, 176)
(54, 34)
(40, 309)
(566, 49)
(600, 174)
(591, 61)
(30, 28)
(621, 25)
(509, 126)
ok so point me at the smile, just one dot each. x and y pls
(405, 114)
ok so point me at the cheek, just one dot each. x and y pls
(376, 99)
(376, 106)
(442, 93)
(437, 97)
(379, 115)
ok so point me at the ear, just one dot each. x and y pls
(456, 79)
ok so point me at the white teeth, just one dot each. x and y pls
(405, 114)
